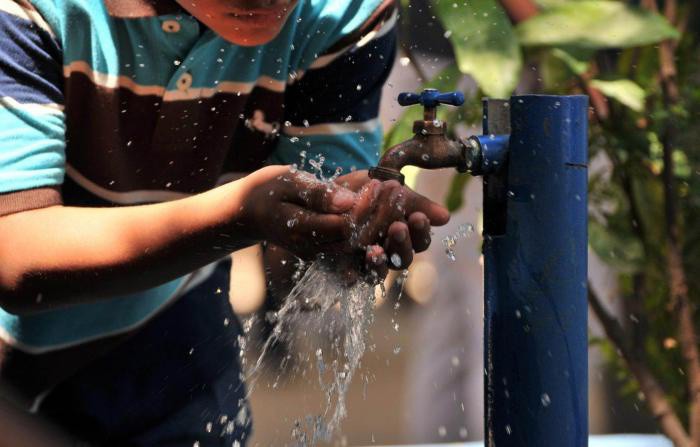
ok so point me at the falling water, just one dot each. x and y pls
(321, 290)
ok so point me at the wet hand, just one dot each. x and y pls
(391, 221)
(296, 211)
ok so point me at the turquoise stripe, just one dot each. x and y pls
(33, 149)
(85, 321)
(348, 151)
(141, 50)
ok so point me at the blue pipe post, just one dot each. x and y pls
(535, 255)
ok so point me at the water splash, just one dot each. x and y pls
(322, 291)
(464, 231)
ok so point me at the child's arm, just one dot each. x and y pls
(60, 255)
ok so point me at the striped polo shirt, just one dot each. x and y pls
(122, 102)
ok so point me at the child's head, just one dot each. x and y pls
(243, 22)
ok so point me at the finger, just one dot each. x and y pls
(302, 227)
(375, 261)
(419, 229)
(398, 246)
(437, 214)
(306, 190)
(387, 206)
(367, 199)
(364, 208)
(354, 180)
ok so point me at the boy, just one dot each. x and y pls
(126, 131)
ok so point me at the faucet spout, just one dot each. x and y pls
(428, 152)
(429, 149)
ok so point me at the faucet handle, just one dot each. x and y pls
(431, 97)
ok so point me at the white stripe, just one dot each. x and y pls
(332, 128)
(191, 280)
(226, 87)
(138, 197)
(123, 198)
(32, 15)
(387, 26)
(39, 109)
(113, 81)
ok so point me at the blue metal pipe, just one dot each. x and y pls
(493, 153)
(536, 353)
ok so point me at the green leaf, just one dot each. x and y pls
(402, 130)
(455, 195)
(623, 90)
(577, 59)
(621, 251)
(595, 24)
(484, 43)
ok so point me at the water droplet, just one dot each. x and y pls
(442, 431)
(404, 61)
(546, 401)
(463, 432)
(397, 349)
(508, 429)
(396, 260)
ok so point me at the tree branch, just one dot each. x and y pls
(677, 278)
(655, 396)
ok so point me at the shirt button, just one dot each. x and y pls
(171, 26)
(184, 82)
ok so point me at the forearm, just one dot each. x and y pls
(71, 255)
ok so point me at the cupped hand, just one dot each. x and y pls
(296, 211)
(390, 221)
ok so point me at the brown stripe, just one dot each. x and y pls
(374, 22)
(130, 9)
(125, 142)
(29, 199)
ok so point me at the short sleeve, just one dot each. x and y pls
(32, 122)
(332, 109)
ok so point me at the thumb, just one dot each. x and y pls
(325, 197)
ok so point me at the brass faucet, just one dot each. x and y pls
(429, 148)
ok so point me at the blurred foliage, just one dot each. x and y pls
(572, 47)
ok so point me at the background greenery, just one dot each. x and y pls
(640, 64)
